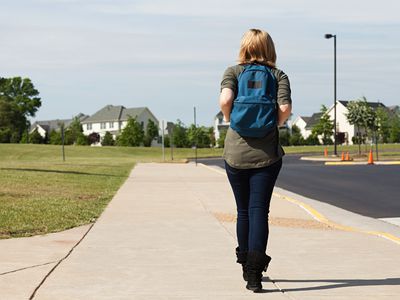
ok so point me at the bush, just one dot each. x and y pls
(132, 135)
(221, 139)
(94, 138)
(147, 141)
(35, 137)
(15, 137)
(312, 140)
(55, 138)
(5, 135)
(107, 139)
(167, 141)
(82, 140)
(284, 138)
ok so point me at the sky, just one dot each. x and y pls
(170, 55)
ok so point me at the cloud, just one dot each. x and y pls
(93, 52)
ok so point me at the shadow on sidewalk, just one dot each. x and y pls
(336, 283)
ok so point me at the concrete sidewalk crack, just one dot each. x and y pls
(29, 267)
(58, 263)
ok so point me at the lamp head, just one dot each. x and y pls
(328, 36)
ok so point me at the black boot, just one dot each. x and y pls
(257, 262)
(242, 259)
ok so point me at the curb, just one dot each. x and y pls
(350, 163)
(316, 215)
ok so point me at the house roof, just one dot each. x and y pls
(218, 115)
(107, 113)
(50, 125)
(131, 112)
(314, 119)
(373, 105)
(116, 113)
(305, 119)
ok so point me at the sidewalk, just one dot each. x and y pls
(169, 233)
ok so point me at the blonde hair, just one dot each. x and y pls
(257, 46)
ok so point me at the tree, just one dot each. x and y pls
(361, 115)
(394, 136)
(82, 140)
(94, 138)
(296, 138)
(107, 139)
(132, 135)
(198, 136)
(221, 139)
(35, 137)
(383, 124)
(284, 137)
(211, 136)
(312, 139)
(167, 142)
(8, 115)
(179, 137)
(18, 100)
(75, 131)
(24, 138)
(151, 133)
(324, 127)
(55, 137)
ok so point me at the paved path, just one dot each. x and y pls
(169, 234)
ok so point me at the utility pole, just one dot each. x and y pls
(62, 141)
(162, 138)
(328, 36)
(195, 136)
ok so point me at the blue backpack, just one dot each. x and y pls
(254, 112)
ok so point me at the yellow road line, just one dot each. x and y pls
(320, 217)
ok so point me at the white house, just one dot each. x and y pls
(305, 124)
(114, 118)
(343, 127)
(219, 126)
(45, 127)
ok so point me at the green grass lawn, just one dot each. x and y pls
(39, 193)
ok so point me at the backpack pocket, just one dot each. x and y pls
(253, 116)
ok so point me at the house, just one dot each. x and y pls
(342, 125)
(344, 129)
(45, 127)
(305, 124)
(219, 126)
(114, 119)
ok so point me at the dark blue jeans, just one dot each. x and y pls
(252, 189)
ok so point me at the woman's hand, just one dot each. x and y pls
(284, 112)
(225, 102)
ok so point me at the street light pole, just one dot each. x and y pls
(328, 36)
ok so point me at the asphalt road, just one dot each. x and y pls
(372, 191)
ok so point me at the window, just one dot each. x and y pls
(103, 125)
(89, 126)
(111, 125)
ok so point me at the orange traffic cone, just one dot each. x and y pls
(347, 156)
(326, 152)
(370, 158)
(342, 156)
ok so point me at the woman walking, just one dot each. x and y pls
(255, 99)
